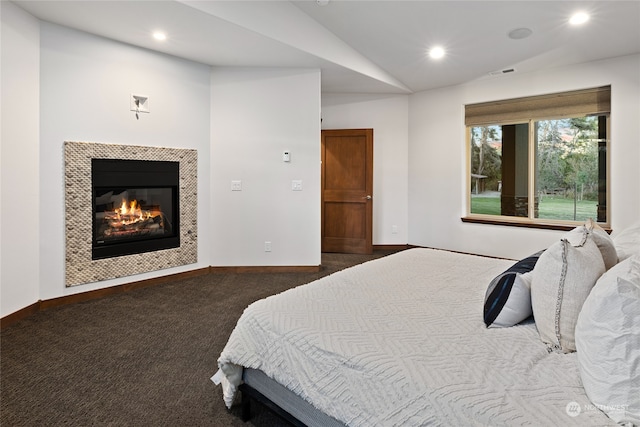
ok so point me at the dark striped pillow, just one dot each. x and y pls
(507, 301)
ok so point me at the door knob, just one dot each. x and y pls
(368, 197)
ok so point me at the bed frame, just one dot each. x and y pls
(282, 401)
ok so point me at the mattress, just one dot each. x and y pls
(401, 341)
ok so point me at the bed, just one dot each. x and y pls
(400, 341)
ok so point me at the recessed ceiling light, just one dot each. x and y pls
(436, 52)
(159, 35)
(578, 18)
(520, 33)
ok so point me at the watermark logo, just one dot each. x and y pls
(573, 409)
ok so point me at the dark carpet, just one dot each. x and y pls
(139, 358)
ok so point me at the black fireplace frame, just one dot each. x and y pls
(134, 174)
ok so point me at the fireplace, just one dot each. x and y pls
(135, 206)
(98, 177)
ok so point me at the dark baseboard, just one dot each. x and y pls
(113, 290)
(100, 293)
(267, 269)
(390, 247)
(14, 317)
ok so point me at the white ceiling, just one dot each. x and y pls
(363, 46)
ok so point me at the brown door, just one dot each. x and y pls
(347, 190)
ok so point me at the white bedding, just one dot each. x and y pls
(400, 341)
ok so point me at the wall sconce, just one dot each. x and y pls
(139, 104)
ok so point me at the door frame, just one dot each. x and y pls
(365, 197)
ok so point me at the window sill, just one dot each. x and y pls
(526, 224)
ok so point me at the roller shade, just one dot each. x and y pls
(566, 104)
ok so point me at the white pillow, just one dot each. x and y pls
(608, 342)
(601, 238)
(518, 305)
(604, 243)
(507, 301)
(627, 242)
(562, 280)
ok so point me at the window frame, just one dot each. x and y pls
(530, 221)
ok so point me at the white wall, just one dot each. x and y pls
(19, 159)
(59, 84)
(388, 116)
(85, 85)
(257, 114)
(437, 165)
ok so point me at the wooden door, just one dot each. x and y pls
(347, 190)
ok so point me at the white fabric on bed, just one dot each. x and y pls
(608, 342)
(401, 341)
(562, 279)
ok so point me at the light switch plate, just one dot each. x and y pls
(296, 185)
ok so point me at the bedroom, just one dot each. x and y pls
(75, 86)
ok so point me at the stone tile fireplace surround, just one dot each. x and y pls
(80, 267)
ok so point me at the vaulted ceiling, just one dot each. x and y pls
(364, 46)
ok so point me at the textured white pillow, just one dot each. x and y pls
(627, 242)
(562, 280)
(608, 342)
(604, 243)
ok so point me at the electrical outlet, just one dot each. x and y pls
(267, 246)
(236, 185)
(394, 229)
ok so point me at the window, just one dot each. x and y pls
(539, 161)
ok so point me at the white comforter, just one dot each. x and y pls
(400, 341)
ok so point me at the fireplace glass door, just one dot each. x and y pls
(135, 206)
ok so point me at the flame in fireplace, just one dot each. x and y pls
(134, 210)
(130, 213)
(131, 219)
